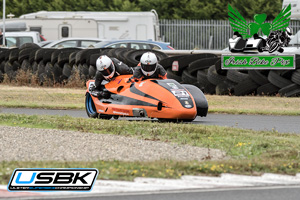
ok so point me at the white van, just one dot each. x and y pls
(16, 39)
(56, 25)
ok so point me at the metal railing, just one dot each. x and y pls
(200, 34)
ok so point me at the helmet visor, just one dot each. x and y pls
(148, 68)
(108, 71)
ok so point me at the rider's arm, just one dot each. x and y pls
(121, 67)
(163, 77)
(98, 80)
(161, 72)
(137, 75)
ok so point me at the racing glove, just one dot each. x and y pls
(101, 94)
(92, 88)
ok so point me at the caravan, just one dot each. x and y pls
(104, 25)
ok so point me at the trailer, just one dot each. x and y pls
(105, 25)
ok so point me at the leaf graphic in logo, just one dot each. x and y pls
(266, 28)
(254, 27)
(260, 18)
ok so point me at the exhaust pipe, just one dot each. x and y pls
(138, 112)
(142, 114)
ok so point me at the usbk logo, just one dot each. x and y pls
(52, 179)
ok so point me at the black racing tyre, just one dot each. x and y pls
(42, 78)
(57, 52)
(47, 57)
(118, 53)
(32, 56)
(39, 55)
(188, 78)
(57, 72)
(90, 106)
(54, 56)
(2, 64)
(245, 87)
(1, 77)
(92, 71)
(209, 89)
(24, 54)
(202, 76)
(267, 89)
(200, 64)
(290, 90)
(85, 69)
(213, 77)
(277, 80)
(11, 75)
(296, 77)
(133, 57)
(219, 69)
(13, 55)
(72, 58)
(63, 58)
(6, 53)
(111, 53)
(93, 59)
(236, 76)
(49, 71)
(67, 69)
(171, 75)
(285, 73)
(104, 51)
(186, 60)
(26, 65)
(258, 77)
(297, 62)
(41, 68)
(121, 55)
(85, 57)
(2, 54)
(16, 66)
(203, 83)
(79, 56)
(34, 67)
(225, 88)
(29, 46)
(168, 61)
(8, 67)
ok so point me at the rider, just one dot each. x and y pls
(108, 69)
(148, 68)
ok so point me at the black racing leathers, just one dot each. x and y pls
(160, 72)
(121, 69)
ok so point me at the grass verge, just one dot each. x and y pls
(67, 98)
(251, 152)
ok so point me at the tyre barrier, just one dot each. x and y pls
(202, 70)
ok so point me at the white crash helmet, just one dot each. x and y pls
(106, 66)
(148, 63)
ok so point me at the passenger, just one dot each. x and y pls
(148, 68)
(107, 69)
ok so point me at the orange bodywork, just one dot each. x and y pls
(164, 99)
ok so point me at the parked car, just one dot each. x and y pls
(16, 39)
(135, 44)
(73, 42)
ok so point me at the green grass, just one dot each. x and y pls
(251, 152)
(66, 98)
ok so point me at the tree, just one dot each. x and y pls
(166, 9)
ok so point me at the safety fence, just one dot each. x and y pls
(200, 34)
